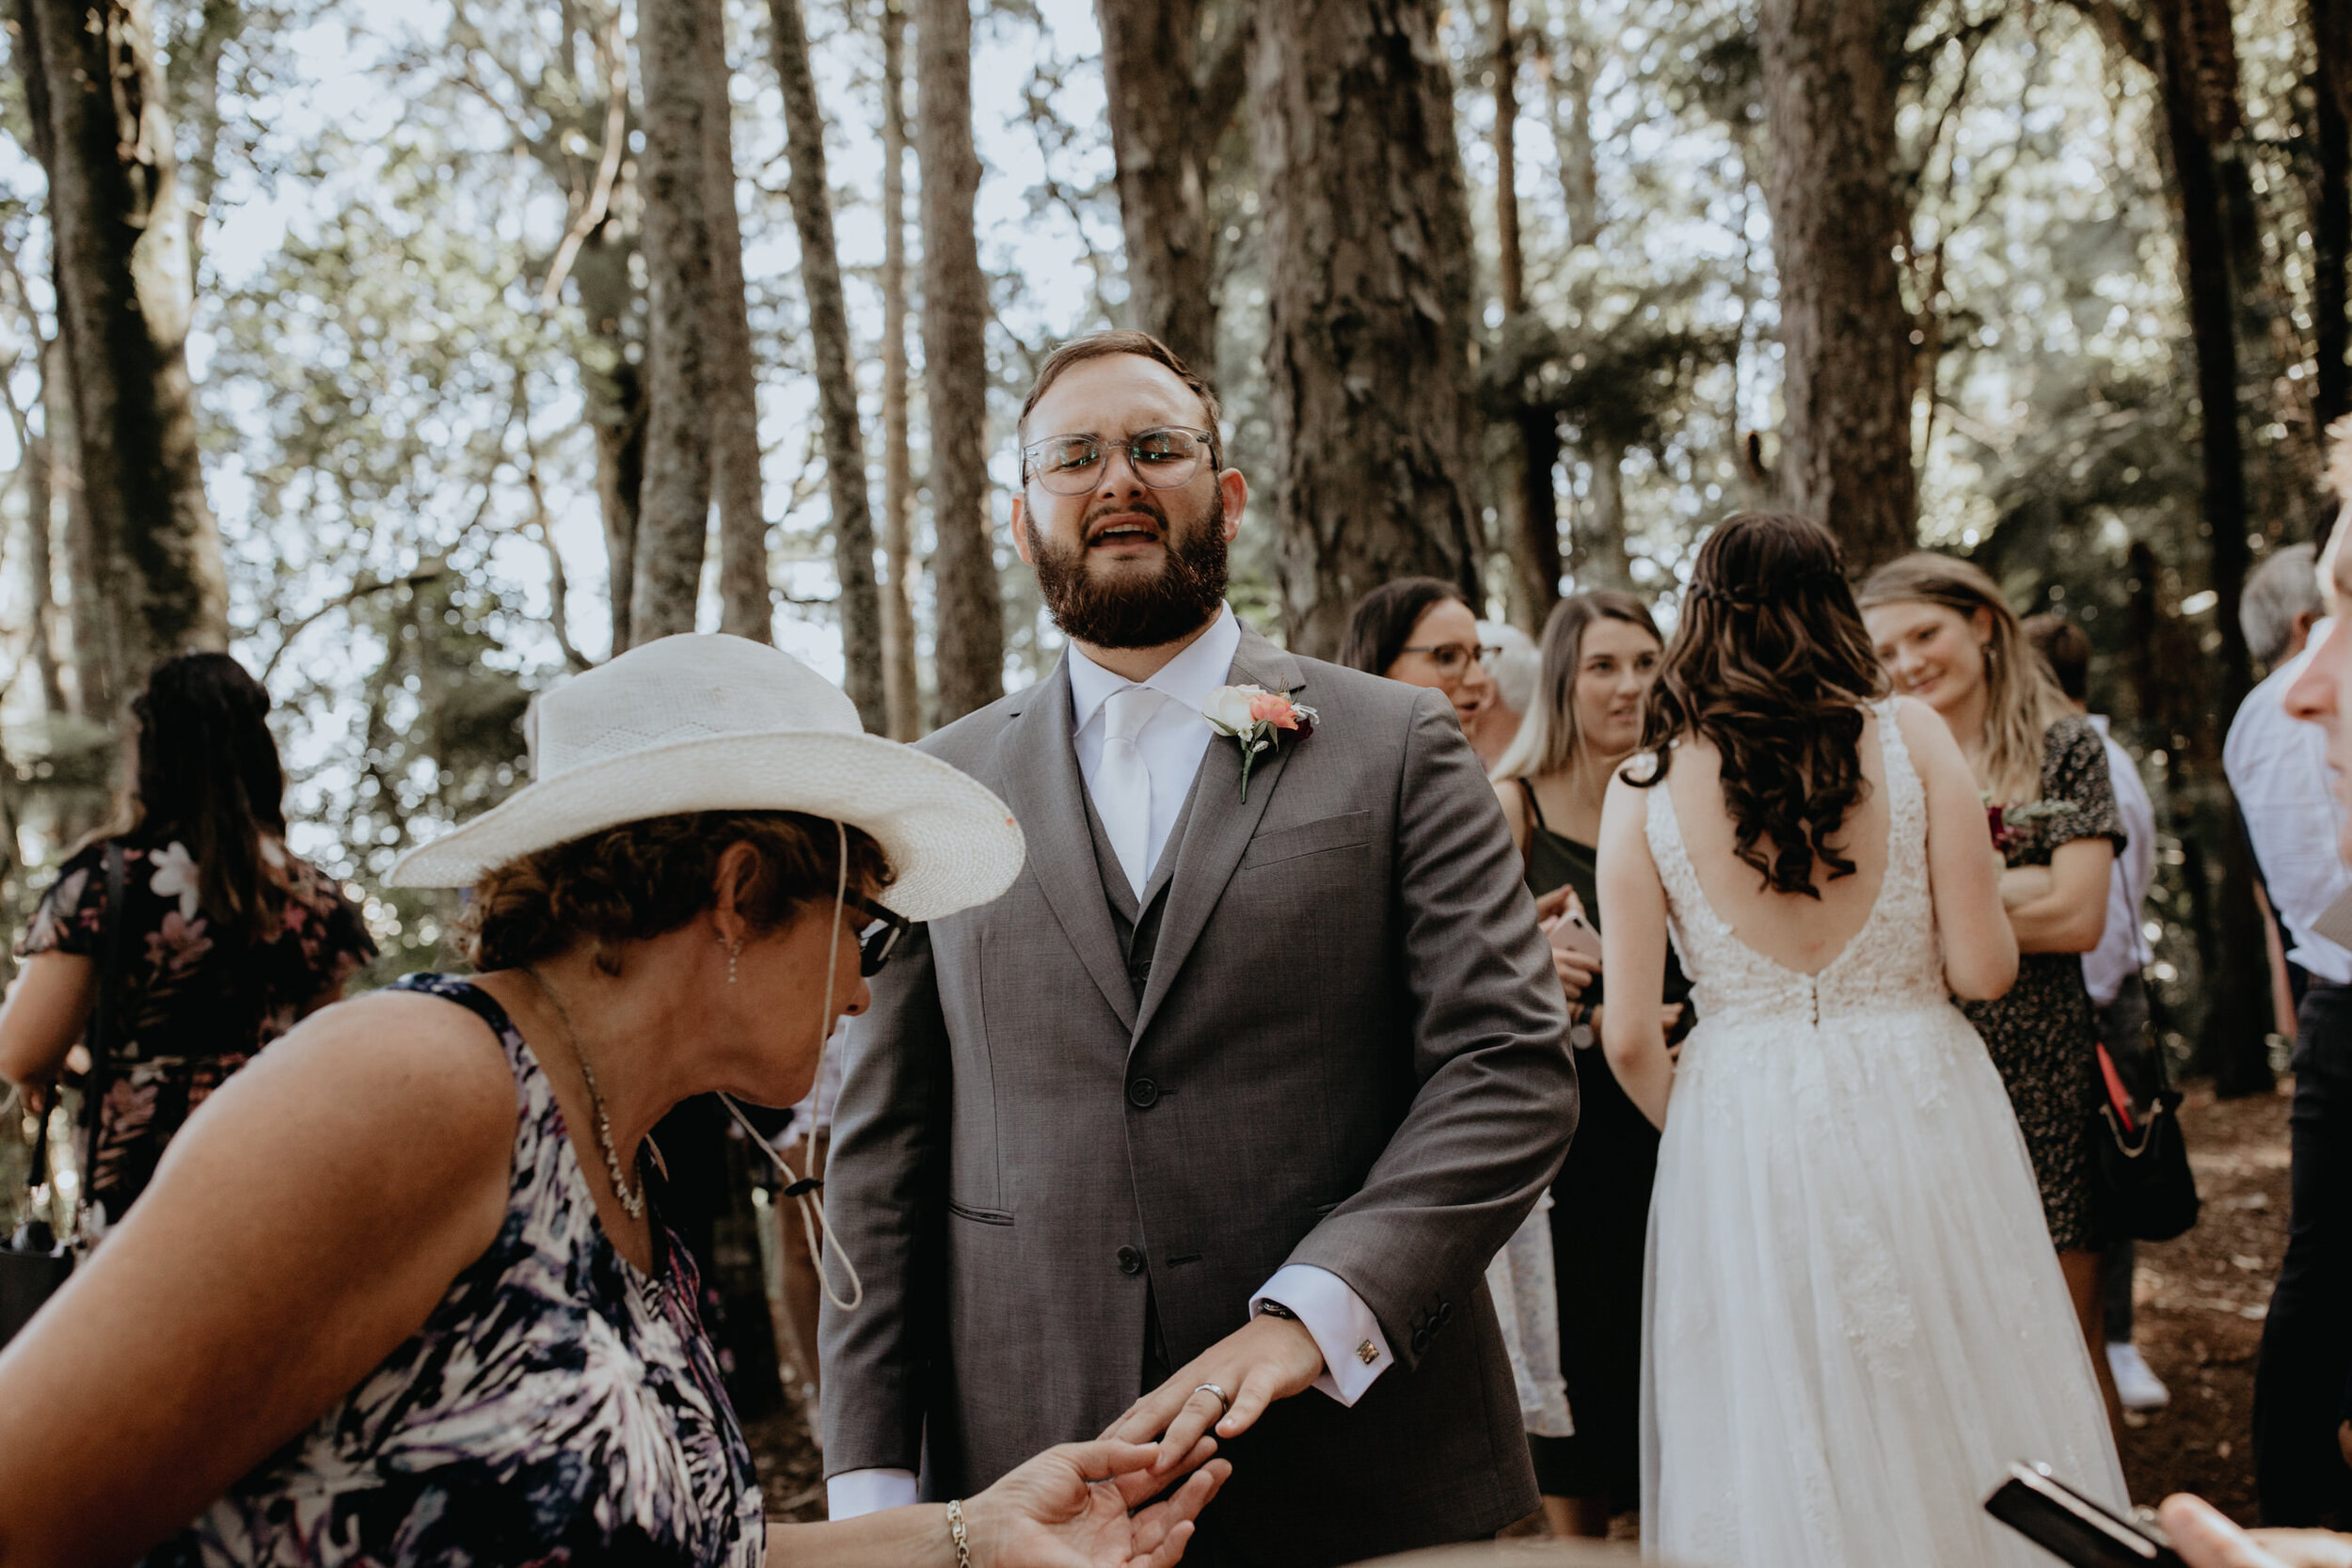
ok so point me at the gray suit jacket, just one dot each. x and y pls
(1348, 1050)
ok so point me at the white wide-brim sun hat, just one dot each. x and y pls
(713, 722)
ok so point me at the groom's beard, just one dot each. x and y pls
(1177, 600)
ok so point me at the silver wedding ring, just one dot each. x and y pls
(1223, 1399)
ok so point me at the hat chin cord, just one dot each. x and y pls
(816, 1231)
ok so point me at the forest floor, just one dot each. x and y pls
(2200, 1301)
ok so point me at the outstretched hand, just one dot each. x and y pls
(1077, 1506)
(1271, 1359)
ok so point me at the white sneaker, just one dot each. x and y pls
(2135, 1383)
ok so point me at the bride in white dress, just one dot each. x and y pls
(1855, 1321)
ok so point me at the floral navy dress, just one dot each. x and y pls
(196, 1003)
(558, 1406)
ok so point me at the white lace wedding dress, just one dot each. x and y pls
(1855, 1318)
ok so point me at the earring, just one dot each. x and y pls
(735, 953)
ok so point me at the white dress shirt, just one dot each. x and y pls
(2123, 950)
(1171, 745)
(2278, 767)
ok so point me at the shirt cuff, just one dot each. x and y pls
(1354, 1352)
(855, 1492)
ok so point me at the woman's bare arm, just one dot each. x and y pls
(46, 1011)
(303, 1224)
(2073, 915)
(1963, 870)
(1633, 952)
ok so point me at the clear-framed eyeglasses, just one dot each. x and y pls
(1164, 458)
(1451, 657)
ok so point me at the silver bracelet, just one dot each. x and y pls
(955, 1529)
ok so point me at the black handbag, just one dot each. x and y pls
(2143, 1161)
(35, 1262)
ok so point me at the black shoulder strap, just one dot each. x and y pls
(1534, 810)
(105, 1012)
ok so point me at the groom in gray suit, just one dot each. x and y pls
(1213, 1121)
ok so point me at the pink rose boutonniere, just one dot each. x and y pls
(1254, 717)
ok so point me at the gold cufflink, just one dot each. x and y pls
(1365, 1353)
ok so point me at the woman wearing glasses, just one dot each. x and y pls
(1419, 630)
(400, 1292)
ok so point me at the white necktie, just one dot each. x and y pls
(1122, 787)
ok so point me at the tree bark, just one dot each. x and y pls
(613, 385)
(901, 690)
(120, 228)
(86, 638)
(1367, 245)
(1570, 102)
(837, 377)
(1167, 107)
(2195, 115)
(746, 605)
(1829, 94)
(1531, 506)
(969, 642)
(674, 506)
(2331, 211)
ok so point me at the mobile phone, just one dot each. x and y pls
(2078, 1530)
(1570, 934)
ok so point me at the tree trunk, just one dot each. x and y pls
(613, 391)
(901, 690)
(1167, 108)
(836, 376)
(1602, 559)
(969, 644)
(1829, 94)
(2232, 1049)
(673, 507)
(40, 568)
(86, 638)
(746, 607)
(195, 73)
(1367, 245)
(96, 91)
(1532, 508)
(2331, 211)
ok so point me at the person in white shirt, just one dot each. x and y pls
(2278, 768)
(2113, 973)
(1496, 723)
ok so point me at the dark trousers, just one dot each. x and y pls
(2124, 1028)
(2300, 1473)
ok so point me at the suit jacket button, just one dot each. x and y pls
(1421, 1339)
(1445, 1313)
(1130, 1261)
(1143, 1094)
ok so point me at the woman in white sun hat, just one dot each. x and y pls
(397, 1294)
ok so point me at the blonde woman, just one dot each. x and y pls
(1948, 638)
(1599, 654)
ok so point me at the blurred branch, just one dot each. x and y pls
(559, 586)
(429, 571)
(599, 201)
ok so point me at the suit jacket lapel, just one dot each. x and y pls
(1217, 837)
(1047, 796)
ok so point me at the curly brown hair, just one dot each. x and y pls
(644, 878)
(1770, 665)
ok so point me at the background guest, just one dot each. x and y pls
(2279, 771)
(2284, 603)
(1513, 671)
(1420, 631)
(2113, 973)
(1600, 652)
(1949, 639)
(227, 937)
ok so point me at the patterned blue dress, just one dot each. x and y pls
(558, 1406)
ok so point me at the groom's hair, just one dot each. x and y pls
(2064, 647)
(1100, 345)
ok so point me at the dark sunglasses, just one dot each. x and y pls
(875, 943)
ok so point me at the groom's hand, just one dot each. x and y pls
(1270, 1360)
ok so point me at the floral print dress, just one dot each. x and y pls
(2043, 1035)
(557, 1407)
(196, 1004)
